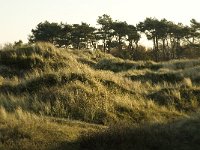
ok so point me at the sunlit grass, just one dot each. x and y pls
(42, 89)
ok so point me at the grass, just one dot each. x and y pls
(64, 99)
(181, 134)
(22, 130)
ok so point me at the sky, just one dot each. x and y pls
(18, 17)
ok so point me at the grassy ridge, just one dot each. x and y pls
(92, 87)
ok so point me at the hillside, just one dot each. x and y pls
(54, 98)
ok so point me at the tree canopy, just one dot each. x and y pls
(168, 38)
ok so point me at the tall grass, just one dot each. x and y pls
(40, 81)
(24, 130)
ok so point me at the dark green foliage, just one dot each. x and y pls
(81, 33)
(105, 32)
(45, 32)
(170, 40)
(120, 30)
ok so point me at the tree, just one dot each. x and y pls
(178, 32)
(18, 43)
(46, 32)
(163, 32)
(194, 31)
(133, 39)
(120, 31)
(81, 33)
(151, 28)
(64, 36)
(105, 31)
(163, 35)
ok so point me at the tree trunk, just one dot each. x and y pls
(155, 44)
(157, 49)
(136, 50)
(178, 48)
(120, 48)
(163, 49)
(104, 45)
(109, 45)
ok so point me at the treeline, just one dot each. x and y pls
(170, 40)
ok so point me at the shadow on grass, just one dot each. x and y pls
(179, 135)
(67, 146)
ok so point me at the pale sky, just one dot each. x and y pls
(18, 17)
